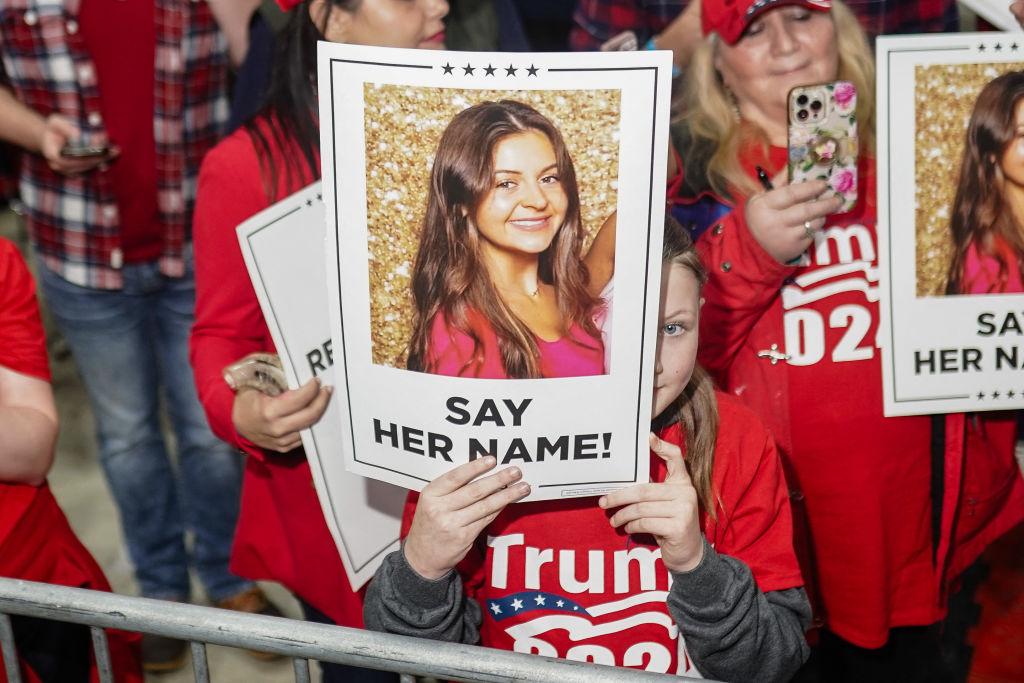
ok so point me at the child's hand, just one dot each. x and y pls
(453, 510)
(667, 510)
(784, 220)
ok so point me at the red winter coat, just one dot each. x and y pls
(861, 482)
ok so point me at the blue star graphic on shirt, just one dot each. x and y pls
(524, 602)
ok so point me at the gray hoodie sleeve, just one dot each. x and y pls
(398, 600)
(733, 631)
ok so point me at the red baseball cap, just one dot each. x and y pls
(286, 5)
(730, 18)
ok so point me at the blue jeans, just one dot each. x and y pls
(131, 349)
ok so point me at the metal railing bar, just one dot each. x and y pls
(301, 668)
(101, 650)
(299, 638)
(200, 665)
(8, 650)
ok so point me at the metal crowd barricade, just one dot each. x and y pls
(299, 640)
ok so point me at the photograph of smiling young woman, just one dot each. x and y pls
(987, 224)
(499, 285)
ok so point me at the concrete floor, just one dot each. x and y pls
(81, 490)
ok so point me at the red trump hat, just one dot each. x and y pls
(730, 18)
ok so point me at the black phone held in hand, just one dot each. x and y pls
(77, 150)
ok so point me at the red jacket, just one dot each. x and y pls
(281, 533)
(864, 480)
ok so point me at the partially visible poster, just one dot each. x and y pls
(952, 305)
(283, 250)
(995, 12)
(463, 191)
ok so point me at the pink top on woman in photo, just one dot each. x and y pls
(982, 272)
(456, 354)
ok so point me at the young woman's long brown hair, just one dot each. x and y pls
(696, 409)
(450, 277)
(979, 209)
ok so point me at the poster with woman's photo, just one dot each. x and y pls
(951, 221)
(493, 259)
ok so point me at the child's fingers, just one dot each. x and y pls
(648, 509)
(483, 488)
(458, 477)
(673, 457)
(629, 496)
(485, 510)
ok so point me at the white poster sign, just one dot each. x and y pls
(283, 250)
(952, 338)
(996, 12)
(383, 113)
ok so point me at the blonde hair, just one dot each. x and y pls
(696, 408)
(712, 136)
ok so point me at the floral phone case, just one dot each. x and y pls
(823, 137)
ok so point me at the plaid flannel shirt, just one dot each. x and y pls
(74, 221)
(595, 21)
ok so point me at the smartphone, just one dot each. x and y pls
(77, 148)
(823, 137)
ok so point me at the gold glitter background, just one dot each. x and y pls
(943, 101)
(403, 126)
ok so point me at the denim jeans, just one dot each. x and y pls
(131, 349)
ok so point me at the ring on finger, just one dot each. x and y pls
(808, 230)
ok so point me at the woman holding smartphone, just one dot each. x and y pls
(499, 284)
(891, 505)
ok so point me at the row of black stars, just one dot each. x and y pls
(995, 394)
(490, 70)
(998, 47)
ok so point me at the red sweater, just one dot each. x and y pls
(281, 533)
(863, 479)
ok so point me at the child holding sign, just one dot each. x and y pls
(693, 573)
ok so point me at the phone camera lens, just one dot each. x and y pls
(801, 100)
(802, 114)
(816, 105)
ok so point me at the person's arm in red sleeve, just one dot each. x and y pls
(28, 414)
(229, 323)
(743, 280)
(748, 255)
